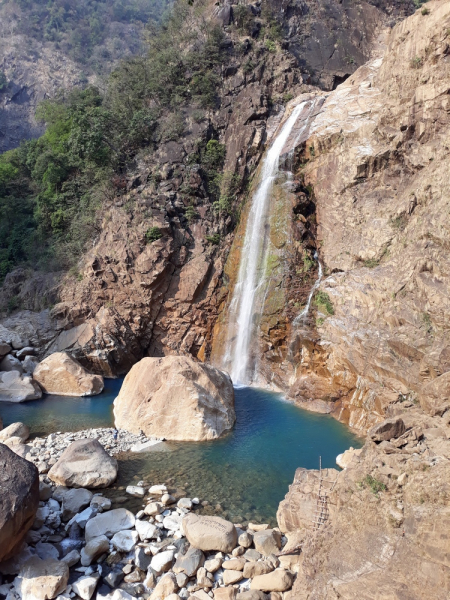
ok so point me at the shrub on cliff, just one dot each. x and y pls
(51, 188)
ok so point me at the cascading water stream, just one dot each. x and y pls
(302, 316)
(243, 314)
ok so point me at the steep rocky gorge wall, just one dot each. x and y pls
(128, 298)
(379, 167)
(373, 170)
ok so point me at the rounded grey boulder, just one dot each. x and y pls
(84, 464)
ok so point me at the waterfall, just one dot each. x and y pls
(244, 312)
(302, 316)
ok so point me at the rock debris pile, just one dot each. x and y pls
(80, 548)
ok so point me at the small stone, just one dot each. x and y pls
(135, 576)
(162, 561)
(45, 491)
(166, 585)
(225, 593)
(136, 491)
(185, 503)
(245, 539)
(190, 562)
(101, 503)
(146, 530)
(182, 579)
(252, 554)
(158, 490)
(210, 533)
(213, 564)
(74, 501)
(230, 577)
(42, 579)
(141, 560)
(238, 551)
(71, 558)
(109, 523)
(113, 578)
(236, 564)
(267, 541)
(252, 569)
(277, 581)
(167, 499)
(85, 586)
(93, 549)
(125, 541)
(153, 508)
(255, 527)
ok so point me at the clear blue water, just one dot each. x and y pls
(63, 413)
(247, 472)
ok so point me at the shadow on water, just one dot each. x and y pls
(63, 413)
(247, 472)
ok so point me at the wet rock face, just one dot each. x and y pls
(19, 500)
(377, 156)
(176, 398)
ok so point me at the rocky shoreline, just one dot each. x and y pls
(44, 452)
(80, 547)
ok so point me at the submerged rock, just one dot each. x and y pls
(86, 464)
(62, 375)
(177, 398)
(19, 500)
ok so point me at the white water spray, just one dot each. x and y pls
(243, 318)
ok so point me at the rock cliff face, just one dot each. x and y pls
(379, 159)
(385, 535)
(130, 298)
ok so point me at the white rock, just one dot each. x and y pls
(173, 522)
(145, 530)
(124, 541)
(158, 489)
(109, 523)
(184, 503)
(136, 491)
(162, 561)
(85, 586)
(145, 446)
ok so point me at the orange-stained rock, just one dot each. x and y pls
(176, 398)
(62, 375)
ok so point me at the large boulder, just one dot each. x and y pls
(210, 533)
(19, 500)
(84, 464)
(62, 375)
(16, 430)
(43, 579)
(177, 398)
(15, 387)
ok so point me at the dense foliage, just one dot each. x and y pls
(91, 32)
(51, 188)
